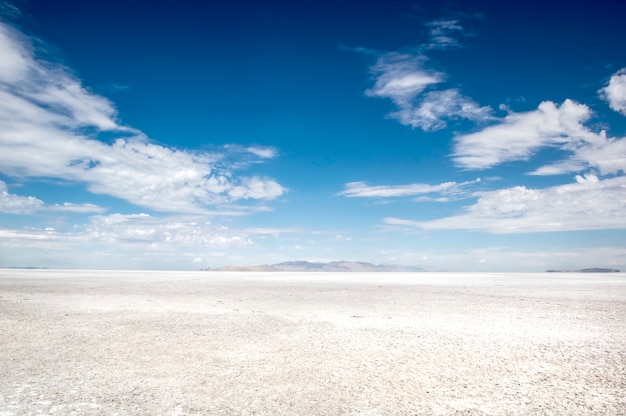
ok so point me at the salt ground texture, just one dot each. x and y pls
(208, 343)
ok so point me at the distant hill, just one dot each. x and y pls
(589, 270)
(333, 266)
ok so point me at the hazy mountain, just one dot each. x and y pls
(333, 266)
(589, 270)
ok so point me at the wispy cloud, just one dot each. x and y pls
(84, 208)
(588, 204)
(49, 126)
(615, 92)
(436, 107)
(443, 33)
(263, 152)
(401, 77)
(362, 190)
(520, 135)
(415, 89)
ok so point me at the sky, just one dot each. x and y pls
(461, 136)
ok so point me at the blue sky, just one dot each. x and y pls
(482, 137)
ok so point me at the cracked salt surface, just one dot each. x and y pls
(198, 343)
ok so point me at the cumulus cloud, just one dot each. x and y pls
(588, 204)
(256, 188)
(362, 190)
(615, 92)
(49, 126)
(16, 204)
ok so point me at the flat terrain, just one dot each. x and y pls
(208, 343)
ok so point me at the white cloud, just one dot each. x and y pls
(244, 156)
(16, 204)
(15, 55)
(45, 113)
(438, 106)
(520, 135)
(47, 238)
(256, 188)
(362, 190)
(85, 208)
(588, 204)
(615, 92)
(263, 152)
(153, 232)
(403, 78)
(441, 33)
(606, 154)
(25, 205)
(128, 241)
(153, 241)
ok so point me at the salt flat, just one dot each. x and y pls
(207, 343)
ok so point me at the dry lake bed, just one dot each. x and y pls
(209, 343)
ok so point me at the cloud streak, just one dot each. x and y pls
(50, 125)
(362, 190)
(401, 77)
(442, 33)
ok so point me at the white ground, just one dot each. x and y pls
(206, 343)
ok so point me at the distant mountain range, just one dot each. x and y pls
(358, 266)
(590, 270)
(333, 266)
